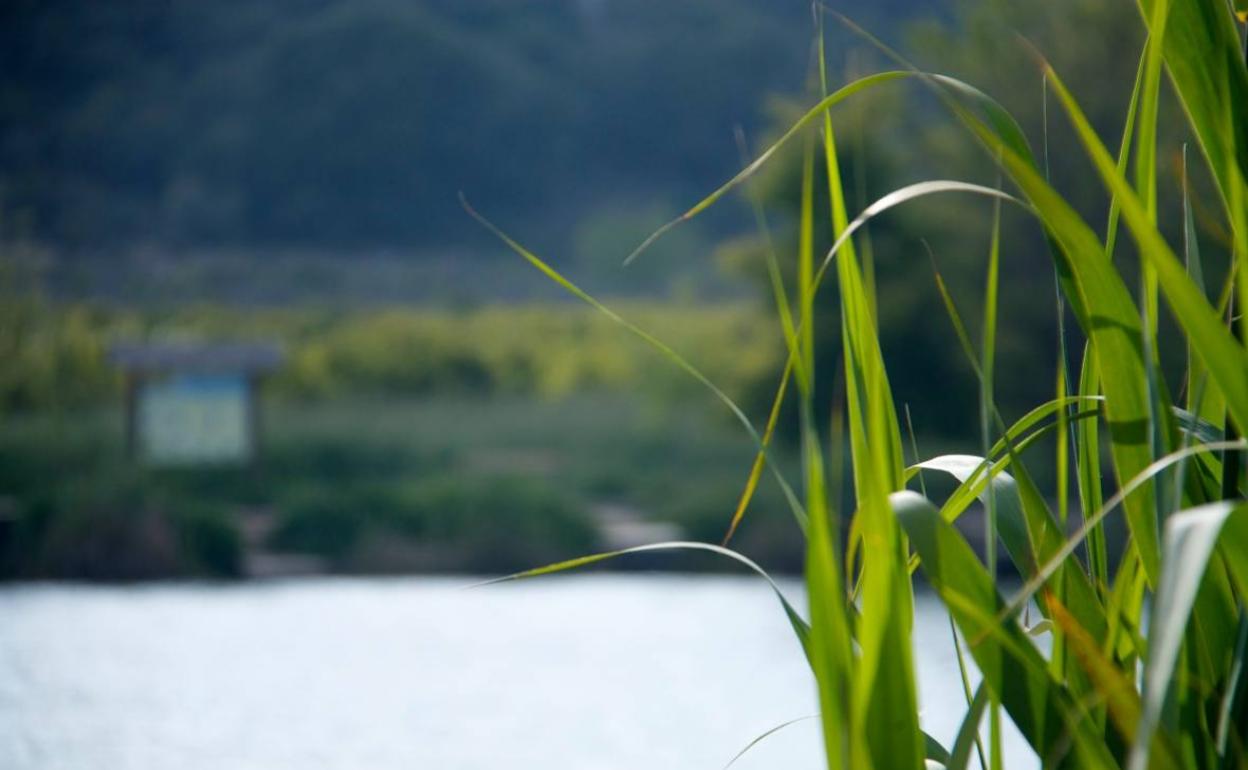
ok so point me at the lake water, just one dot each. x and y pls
(585, 672)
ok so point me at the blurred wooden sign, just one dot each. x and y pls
(193, 404)
(194, 419)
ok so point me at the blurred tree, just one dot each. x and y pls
(353, 124)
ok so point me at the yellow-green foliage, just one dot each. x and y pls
(551, 351)
(55, 356)
(51, 359)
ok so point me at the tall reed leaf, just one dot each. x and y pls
(1206, 64)
(1045, 713)
(1189, 545)
(1222, 355)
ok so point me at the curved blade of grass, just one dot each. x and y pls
(1019, 438)
(933, 751)
(813, 114)
(1200, 430)
(1030, 533)
(800, 627)
(994, 116)
(993, 112)
(764, 736)
(1012, 667)
(903, 195)
(1029, 589)
(667, 351)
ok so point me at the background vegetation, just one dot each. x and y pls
(289, 171)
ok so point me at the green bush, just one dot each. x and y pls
(479, 524)
(115, 526)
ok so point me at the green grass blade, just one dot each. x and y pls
(1224, 357)
(1124, 153)
(1236, 686)
(1207, 68)
(812, 115)
(934, 752)
(774, 276)
(986, 110)
(904, 195)
(1150, 96)
(1189, 545)
(1088, 469)
(830, 624)
(1146, 148)
(760, 459)
(1203, 398)
(1029, 589)
(959, 327)
(663, 348)
(794, 363)
(1195, 427)
(968, 733)
(1012, 667)
(1113, 685)
(1031, 534)
(1017, 437)
(883, 702)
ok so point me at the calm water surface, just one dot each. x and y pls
(586, 672)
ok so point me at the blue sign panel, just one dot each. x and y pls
(190, 419)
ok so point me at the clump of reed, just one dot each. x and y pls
(1144, 663)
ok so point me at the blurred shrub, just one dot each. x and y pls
(113, 525)
(209, 541)
(52, 359)
(487, 525)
